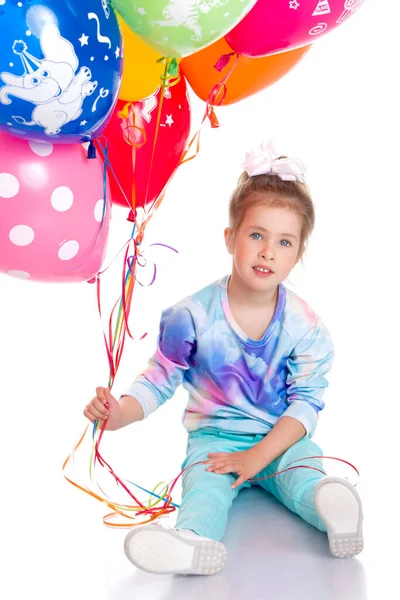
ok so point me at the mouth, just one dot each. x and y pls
(262, 271)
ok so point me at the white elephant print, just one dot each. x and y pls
(187, 13)
(51, 83)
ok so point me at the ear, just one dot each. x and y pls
(56, 48)
(228, 239)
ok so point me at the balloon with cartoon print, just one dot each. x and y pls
(272, 27)
(60, 68)
(178, 28)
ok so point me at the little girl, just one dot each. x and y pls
(253, 357)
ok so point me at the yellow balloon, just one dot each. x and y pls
(142, 72)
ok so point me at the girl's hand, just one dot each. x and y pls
(246, 464)
(103, 407)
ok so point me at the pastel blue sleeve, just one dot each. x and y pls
(309, 362)
(166, 369)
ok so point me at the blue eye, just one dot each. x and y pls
(256, 236)
(285, 243)
(35, 80)
(45, 73)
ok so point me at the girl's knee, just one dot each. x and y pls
(304, 451)
(209, 484)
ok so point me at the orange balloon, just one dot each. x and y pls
(251, 75)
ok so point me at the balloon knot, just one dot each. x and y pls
(132, 216)
(213, 118)
(124, 112)
(173, 69)
(91, 150)
(223, 61)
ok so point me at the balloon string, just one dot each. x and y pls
(163, 504)
(209, 111)
(130, 134)
(129, 275)
(110, 167)
(129, 279)
(129, 127)
(114, 341)
(221, 85)
(170, 77)
(128, 283)
(102, 220)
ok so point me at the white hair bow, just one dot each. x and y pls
(265, 160)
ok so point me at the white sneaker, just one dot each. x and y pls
(339, 506)
(156, 549)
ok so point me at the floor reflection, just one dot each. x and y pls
(272, 554)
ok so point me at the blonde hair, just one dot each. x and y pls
(275, 192)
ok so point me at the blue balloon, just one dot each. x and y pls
(60, 68)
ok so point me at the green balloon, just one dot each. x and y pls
(178, 28)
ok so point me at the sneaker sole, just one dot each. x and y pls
(338, 504)
(157, 550)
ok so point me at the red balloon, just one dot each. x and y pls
(277, 25)
(146, 145)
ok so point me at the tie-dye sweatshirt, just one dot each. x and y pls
(237, 384)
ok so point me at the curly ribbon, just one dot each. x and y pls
(220, 87)
(115, 341)
(170, 78)
(213, 99)
(140, 513)
(136, 136)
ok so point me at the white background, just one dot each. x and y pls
(337, 111)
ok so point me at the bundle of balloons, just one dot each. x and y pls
(94, 110)
(115, 75)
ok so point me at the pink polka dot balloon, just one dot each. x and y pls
(54, 219)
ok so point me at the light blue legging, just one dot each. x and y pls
(207, 497)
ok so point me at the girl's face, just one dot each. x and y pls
(265, 248)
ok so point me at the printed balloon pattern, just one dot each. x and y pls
(60, 68)
(272, 26)
(54, 211)
(180, 27)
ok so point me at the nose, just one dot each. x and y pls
(267, 252)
